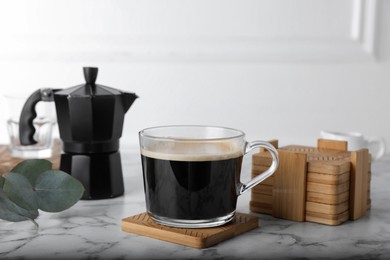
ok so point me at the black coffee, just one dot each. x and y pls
(191, 188)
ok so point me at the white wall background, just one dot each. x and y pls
(273, 68)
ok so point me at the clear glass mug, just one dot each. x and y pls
(44, 123)
(192, 173)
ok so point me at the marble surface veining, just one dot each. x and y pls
(92, 229)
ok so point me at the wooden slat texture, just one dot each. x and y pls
(327, 198)
(369, 190)
(331, 179)
(359, 184)
(328, 189)
(142, 224)
(324, 144)
(262, 198)
(256, 172)
(335, 177)
(289, 188)
(299, 149)
(269, 181)
(257, 169)
(260, 207)
(261, 159)
(326, 218)
(263, 189)
(7, 162)
(327, 209)
(329, 167)
(311, 150)
(274, 142)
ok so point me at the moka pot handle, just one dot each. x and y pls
(26, 126)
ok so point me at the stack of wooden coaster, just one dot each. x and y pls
(327, 184)
(261, 200)
(327, 190)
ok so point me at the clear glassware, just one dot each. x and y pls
(44, 123)
(192, 173)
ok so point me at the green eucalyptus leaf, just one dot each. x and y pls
(10, 211)
(19, 190)
(57, 191)
(31, 169)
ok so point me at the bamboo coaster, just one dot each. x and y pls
(331, 179)
(263, 189)
(337, 183)
(269, 181)
(142, 224)
(262, 198)
(360, 182)
(327, 198)
(328, 189)
(261, 159)
(259, 207)
(274, 142)
(329, 167)
(332, 145)
(289, 189)
(327, 208)
(327, 219)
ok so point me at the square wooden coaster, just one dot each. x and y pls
(142, 224)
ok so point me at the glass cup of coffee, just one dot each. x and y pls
(44, 123)
(192, 173)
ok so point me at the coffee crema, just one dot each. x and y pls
(193, 151)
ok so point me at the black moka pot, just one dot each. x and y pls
(90, 119)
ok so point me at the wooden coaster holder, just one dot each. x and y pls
(326, 184)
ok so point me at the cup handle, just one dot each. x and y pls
(275, 162)
(380, 143)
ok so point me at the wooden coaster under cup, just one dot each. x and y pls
(142, 224)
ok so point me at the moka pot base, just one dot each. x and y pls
(100, 173)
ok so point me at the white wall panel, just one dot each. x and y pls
(121, 30)
(274, 68)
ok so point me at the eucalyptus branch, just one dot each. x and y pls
(33, 185)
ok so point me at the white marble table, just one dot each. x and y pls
(91, 229)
